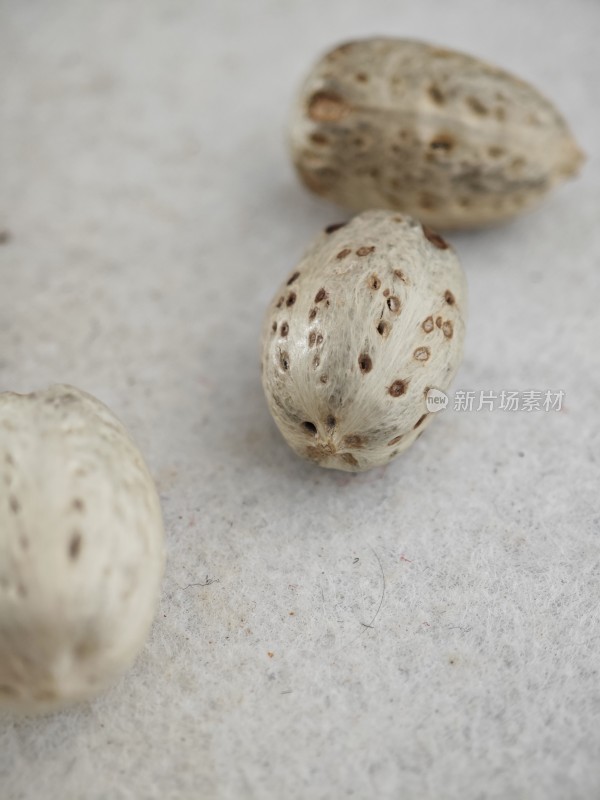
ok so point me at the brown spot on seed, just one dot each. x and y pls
(320, 295)
(87, 647)
(310, 428)
(343, 253)
(436, 94)
(317, 178)
(284, 329)
(442, 52)
(442, 141)
(435, 239)
(393, 303)
(284, 360)
(383, 328)
(400, 275)
(365, 251)
(361, 77)
(274, 327)
(323, 378)
(428, 325)
(365, 363)
(319, 338)
(339, 51)
(476, 106)
(349, 459)
(292, 278)
(395, 440)
(318, 138)
(312, 338)
(78, 504)
(291, 299)
(75, 545)
(422, 353)
(330, 421)
(398, 388)
(447, 329)
(496, 152)
(335, 227)
(14, 504)
(449, 297)
(327, 106)
(428, 201)
(312, 313)
(420, 420)
(386, 292)
(316, 361)
(280, 302)
(353, 440)
(438, 322)
(374, 282)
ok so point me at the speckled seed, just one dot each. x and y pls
(392, 123)
(81, 548)
(347, 387)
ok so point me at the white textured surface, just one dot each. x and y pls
(152, 212)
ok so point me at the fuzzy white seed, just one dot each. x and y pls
(81, 548)
(378, 319)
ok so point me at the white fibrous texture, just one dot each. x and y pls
(392, 123)
(81, 548)
(369, 322)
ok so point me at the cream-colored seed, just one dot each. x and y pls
(347, 383)
(81, 548)
(392, 123)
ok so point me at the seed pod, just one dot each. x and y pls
(81, 548)
(392, 123)
(369, 322)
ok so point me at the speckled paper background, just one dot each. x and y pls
(425, 631)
